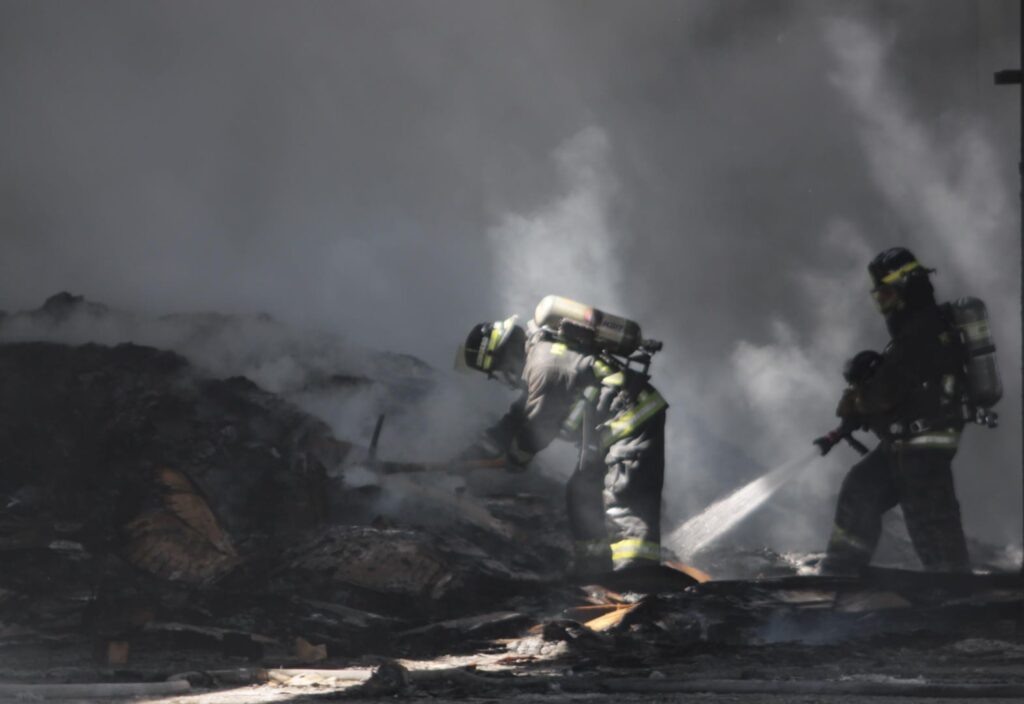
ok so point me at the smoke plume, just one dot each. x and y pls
(383, 175)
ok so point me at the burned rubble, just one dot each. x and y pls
(158, 521)
(143, 499)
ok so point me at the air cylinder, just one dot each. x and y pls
(984, 386)
(613, 333)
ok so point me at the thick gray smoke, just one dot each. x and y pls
(568, 246)
(392, 172)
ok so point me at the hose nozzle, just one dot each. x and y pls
(829, 440)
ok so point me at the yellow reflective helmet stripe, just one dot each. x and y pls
(495, 336)
(635, 549)
(901, 272)
(626, 423)
(483, 360)
(485, 356)
(492, 344)
(558, 349)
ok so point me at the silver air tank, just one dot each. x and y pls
(984, 387)
(612, 333)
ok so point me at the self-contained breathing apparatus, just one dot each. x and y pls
(983, 385)
(979, 388)
(593, 331)
(616, 345)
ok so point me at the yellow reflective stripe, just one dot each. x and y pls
(602, 369)
(841, 536)
(558, 349)
(649, 403)
(491, 345)
(495, 336)
(947, 439)
(616, 379)
(481, 357)
(900, 273)
(635, 549)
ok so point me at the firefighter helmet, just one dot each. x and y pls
(893, 273)
(490, 347)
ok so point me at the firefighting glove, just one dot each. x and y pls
(826, 442)
(849, 403)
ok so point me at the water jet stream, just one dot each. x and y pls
(719, 518)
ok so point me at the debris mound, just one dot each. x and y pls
(144, 501)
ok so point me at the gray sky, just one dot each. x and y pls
(395, 171)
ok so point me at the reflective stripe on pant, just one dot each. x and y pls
(617, 500)
(635, 549)
(846, 552)
(632, 494)
(919, 479)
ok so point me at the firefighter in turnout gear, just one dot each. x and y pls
(573, 389)
(914, 396)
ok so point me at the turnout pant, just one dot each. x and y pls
(920, 480)
(614, 502)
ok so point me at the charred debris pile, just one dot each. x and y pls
(139, 495)
(147, 506)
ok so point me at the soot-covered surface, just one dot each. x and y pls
(157, 521)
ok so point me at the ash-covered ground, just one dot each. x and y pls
(203, 536)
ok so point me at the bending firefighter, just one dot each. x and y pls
(937, 373)
(575, 366)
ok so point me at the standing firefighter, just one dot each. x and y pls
(937, 372)
(574, 366)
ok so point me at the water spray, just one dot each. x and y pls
(722, 516)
